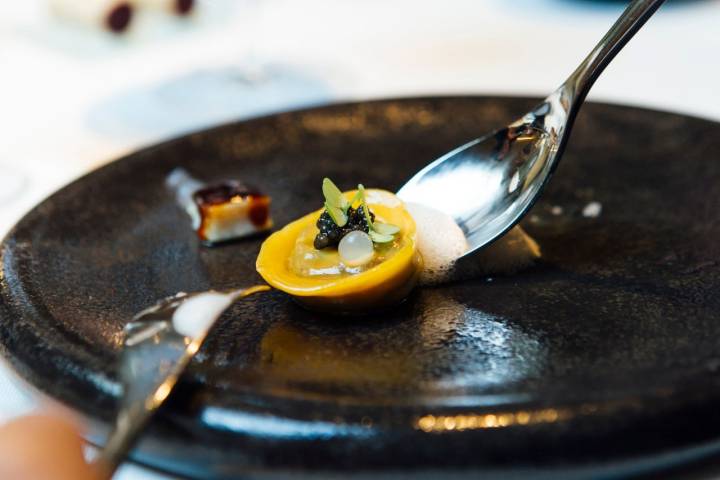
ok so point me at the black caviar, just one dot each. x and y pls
(330, 233)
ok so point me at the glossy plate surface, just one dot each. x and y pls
(602, 358)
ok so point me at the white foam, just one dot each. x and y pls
(195, 317)
(441, 242)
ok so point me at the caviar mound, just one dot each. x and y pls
(329, 234)
(382, 285)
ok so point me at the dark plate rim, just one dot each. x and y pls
(691, 391)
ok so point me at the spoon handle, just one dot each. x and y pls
(633, 18)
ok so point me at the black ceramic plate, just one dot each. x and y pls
(601, 359)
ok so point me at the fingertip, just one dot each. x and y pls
(43, 446)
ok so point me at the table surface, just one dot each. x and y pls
(74, 98)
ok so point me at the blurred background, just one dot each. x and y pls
(83, 82)
(74, 95)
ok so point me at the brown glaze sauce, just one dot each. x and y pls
(259, 211)
(221, 194)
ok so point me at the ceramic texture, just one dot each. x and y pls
(601, 359)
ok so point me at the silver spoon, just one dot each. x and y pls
(158, 344)
(489, 184)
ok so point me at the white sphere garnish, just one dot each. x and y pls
(356, 248)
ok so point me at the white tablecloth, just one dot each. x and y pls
(73, 99)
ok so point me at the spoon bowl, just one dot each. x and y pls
(489, 184)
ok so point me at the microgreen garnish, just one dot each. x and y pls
(333, 196)
(380, 238)
(379, 232)
(337, 214)
(341, 217)
(363, 203)
(358, 197)
(385, 228)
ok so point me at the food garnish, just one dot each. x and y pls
(341, 217)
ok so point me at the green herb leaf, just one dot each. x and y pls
(333, 195)
(379, 232)
(337, 215)
(380, 238)
(386, 228)
(366, 209)
(357, 198)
